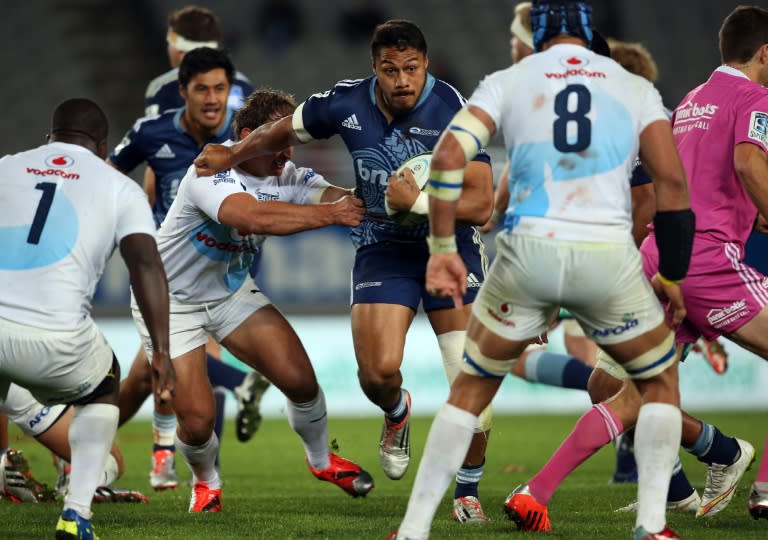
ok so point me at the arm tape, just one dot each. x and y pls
(470, 132)
(674, 237)
(445, 185)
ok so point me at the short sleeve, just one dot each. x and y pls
(208, 192)
(305, 186)
(312, 119)
(752, 124)
(488, 97)
(134, 215)
(653, 107)
(130, 153)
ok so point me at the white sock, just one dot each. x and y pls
(447, 445)
(163, 428)
(111, 471)
(310, 421)
(91, 435)
(201, 460)
(657, 442)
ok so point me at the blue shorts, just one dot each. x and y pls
(394, 272)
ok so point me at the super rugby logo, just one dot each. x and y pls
(758, 127)
(59, 160)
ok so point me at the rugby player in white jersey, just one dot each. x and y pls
(63, 213)
(573, 122)
(208, 240)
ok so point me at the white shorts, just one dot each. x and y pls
(601, 284)
(30, 415)
(192, 323)
(55, 366)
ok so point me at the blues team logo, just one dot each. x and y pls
(61, 161)
(758, 127)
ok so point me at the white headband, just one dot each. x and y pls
(522, 33)
(182, 44)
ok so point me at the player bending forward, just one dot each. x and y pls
(213, 230)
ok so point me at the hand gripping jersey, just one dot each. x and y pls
(62, 213)
(727, 110)
(571, 121)
(162, 93)
(164, 145)
(206, 260)
(378, 148)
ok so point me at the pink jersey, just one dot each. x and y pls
(727, 110)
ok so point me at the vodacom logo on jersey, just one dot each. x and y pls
(574, 67)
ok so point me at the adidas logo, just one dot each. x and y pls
(351, 123)
(165, 152)
(472, 281)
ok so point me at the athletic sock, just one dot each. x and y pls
(657, 442)
(398, 411)
(111, 471)
(714, 447)
(447, 444)
(596, 428)
(91, 434)
(200, 460)
(164, 431)
(762, 473)
(679, 486)
(556, 370)
(310, 422)
(222, 374)
(468, 480)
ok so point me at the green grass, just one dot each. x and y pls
(269, 493)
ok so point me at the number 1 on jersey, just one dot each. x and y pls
(579, 116)
(43, 207)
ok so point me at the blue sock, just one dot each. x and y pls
(220, 396)
(397, 413)
(679, 486)
(467, 481)
(222, 374)
(557, 370)
(626, 466)
(714, 447)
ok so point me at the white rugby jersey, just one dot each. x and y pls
(63, 211)
(206, 260)
(571, 121)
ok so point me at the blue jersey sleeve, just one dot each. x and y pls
(131, 152)
(316, 115)
(639, 175)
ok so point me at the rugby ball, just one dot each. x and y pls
(419, 165)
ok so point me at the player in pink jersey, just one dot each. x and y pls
(721, 130)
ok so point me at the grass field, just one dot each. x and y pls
(269, 493)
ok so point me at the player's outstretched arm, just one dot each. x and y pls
(150, 287)
(243, 212)
(476, 202)
(266, 139)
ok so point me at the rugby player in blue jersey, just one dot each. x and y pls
(384, 119)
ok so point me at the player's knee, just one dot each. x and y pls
(195, 425)
(478, 364)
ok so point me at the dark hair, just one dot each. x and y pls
(203, 60)
(744, 31)
(398, 33)
(80, 116)
(262, 106)
(195, 23)
(550, 19)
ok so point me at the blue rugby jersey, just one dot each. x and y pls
(162, 93)
(378, 148)
(168, 149)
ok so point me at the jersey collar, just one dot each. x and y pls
(728, 70)
(428, 85)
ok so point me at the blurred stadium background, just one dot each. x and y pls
(108, 51)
